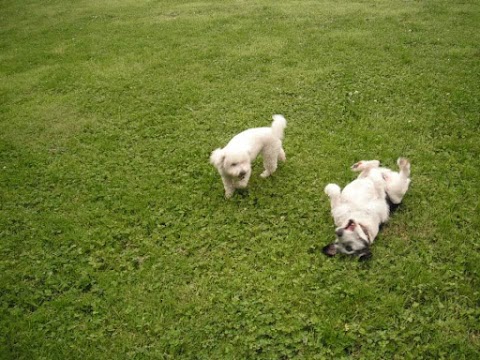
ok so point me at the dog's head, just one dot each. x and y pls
(352, 239)
(234, 164)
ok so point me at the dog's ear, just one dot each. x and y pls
(217, 157)
(365, 255)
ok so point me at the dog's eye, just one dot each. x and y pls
(348, 248)
(234, 164)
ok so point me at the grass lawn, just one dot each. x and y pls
(115, 239)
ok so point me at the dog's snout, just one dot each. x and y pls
(242, 173)
(339, 232)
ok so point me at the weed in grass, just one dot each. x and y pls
(116, 241)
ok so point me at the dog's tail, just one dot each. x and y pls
(278, 126)
(332, 190)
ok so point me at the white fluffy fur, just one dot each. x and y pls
(362, 206)
(234, 161)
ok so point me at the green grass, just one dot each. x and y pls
(115, 239)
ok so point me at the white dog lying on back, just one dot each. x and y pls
(234, 161)
(363, 205)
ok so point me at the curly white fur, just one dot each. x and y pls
(234, 161)
(362, 206)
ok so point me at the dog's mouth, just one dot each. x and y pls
(241, 177)
(350, 226)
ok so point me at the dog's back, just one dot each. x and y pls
(255, 139)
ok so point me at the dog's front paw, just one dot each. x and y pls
(265, 174)
(229, 193)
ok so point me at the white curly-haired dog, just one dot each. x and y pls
(364, 204)
(234, 161)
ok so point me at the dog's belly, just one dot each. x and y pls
(360, 191)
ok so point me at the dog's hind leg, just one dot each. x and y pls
(364, 166)
(334, 193)
(397, 183)
(404, 166)
(270, 165)
(271, 154)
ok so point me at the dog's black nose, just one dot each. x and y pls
(339, 232)
(242, 173)
(329, 250)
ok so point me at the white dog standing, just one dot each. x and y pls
(363, 205)
(234, 161)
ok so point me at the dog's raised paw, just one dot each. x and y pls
(402, 162)
(356, 165)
